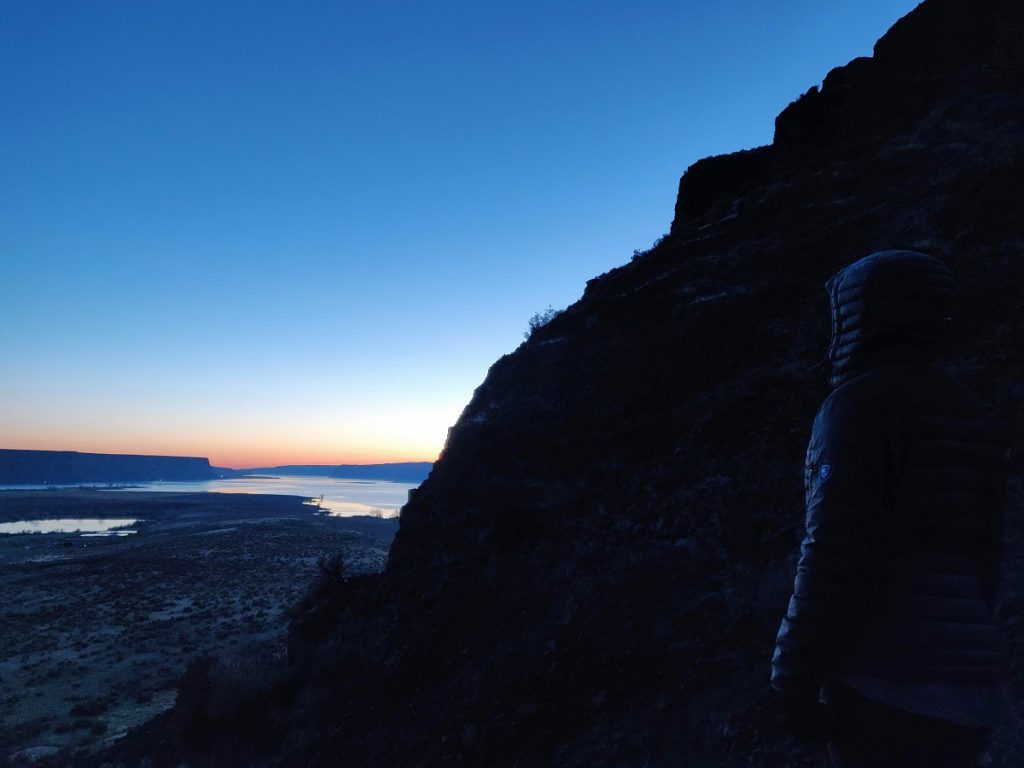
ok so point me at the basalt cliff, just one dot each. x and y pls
(63, 467)
(594, 572)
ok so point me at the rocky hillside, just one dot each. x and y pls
(594, 572)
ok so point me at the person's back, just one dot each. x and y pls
(892, 605)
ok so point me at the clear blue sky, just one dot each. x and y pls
(271, 232)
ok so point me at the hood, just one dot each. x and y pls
(891, 306)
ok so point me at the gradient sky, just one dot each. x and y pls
(276, 232)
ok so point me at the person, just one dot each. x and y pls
(890, 649)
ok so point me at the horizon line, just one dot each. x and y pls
(241, 465)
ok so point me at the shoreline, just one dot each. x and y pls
(335, 496)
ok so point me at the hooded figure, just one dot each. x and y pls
(891, 617)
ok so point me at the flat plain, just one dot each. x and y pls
(96, 630)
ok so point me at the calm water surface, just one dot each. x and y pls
(340, 497)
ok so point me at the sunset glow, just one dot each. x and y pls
(301, 233)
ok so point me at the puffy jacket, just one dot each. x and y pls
(904, 482)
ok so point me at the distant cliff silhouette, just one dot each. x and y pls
(39, 467)
(594, 572)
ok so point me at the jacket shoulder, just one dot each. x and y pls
(912, 399)
(867, 397)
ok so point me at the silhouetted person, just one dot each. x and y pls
(891, 618)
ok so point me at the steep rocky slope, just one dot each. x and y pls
(594, 571)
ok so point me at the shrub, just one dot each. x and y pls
(230, 701)
(89, 708)
(540, 319)
(637, 253)
(330, 578)
(331, 567)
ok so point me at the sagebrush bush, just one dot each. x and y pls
(540, 319)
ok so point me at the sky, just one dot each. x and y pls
(301, 232)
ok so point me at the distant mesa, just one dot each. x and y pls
(399, 472)
(63, 467)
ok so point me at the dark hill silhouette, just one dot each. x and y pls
(37, 467)
(595, 570)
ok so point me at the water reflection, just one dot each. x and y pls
(381, 498)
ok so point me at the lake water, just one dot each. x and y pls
(382, 498)
(340, 497)
(111, 526)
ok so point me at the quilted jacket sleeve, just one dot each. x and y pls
(846, 475)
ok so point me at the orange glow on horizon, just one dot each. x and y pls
(227, 439)
(239, 458)
(232, 458)
(248, 462)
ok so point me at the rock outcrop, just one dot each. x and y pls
(62, 467)
(595, 570)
